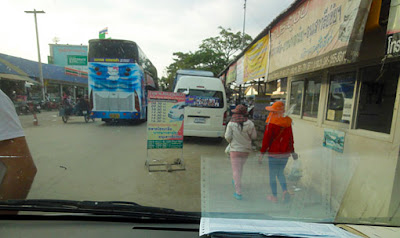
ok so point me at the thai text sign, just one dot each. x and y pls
(165, 120)
(201, 101)
(77, 60)
(314, 36)
(256, 59)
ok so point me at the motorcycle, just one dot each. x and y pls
(50, 105)
(66, 111)
(29, 107)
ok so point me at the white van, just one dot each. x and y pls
(206, 106)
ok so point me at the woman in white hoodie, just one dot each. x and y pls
(239, 133)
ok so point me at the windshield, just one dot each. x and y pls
(300, 121)
(204, 98)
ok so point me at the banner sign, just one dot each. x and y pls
(314, 36)
(240, 71)
(75, 72)
(231, 75)
(165, 120)
(334, 139)
(393, 29)
(201, 101)
(77, 60)
(256, 59)
(111, 60)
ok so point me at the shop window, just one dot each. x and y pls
(296, 96)
(340, 99)
(377, 97)
(311, 100)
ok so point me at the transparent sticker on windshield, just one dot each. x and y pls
(314, 187)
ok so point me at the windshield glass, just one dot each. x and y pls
(203, 98)
(299, 120)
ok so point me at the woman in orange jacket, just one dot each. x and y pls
(278, 143)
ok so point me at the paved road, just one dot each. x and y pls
(94, 161)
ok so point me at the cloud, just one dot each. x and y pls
(159, 27)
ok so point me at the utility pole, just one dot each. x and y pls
(244, 23)
(38, 48)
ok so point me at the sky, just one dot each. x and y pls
(159, 27)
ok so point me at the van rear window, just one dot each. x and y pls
(204, 98)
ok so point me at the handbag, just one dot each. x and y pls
(295, 172)
(228, 149)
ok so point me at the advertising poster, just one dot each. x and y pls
(165, 120)
(334, 139)
(231, 75)
(316, 35)
(256, 59)
(201, 101)
(71, 56)
(240, 71)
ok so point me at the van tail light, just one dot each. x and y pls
(225, 118)
(137, 105)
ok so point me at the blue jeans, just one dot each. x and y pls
(276, 168)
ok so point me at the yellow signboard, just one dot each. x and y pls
(256, 59)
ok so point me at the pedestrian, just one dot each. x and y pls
(239, 133)
(17, 169)
(278, 145)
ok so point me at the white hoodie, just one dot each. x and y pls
(240, 140)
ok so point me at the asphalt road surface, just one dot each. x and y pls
(95, 161)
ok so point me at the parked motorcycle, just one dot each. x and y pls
(50, 105)
(25, 108)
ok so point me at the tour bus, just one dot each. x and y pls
(206, 106)
(119, 76)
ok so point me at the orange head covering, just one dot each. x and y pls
(276, 115)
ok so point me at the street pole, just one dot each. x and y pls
(38, 48)
(244, 23)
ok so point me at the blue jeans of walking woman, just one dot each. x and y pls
(276, 169)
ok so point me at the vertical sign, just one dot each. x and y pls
(256, 59)
(165, 120)
(231, 75)
(240, 71)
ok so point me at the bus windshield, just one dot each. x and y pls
(113, 49)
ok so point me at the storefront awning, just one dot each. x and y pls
(16, 77)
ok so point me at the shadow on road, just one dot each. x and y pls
(204, 140)
(123, 123)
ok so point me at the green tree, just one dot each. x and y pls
(226, 43)
(214, 54)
